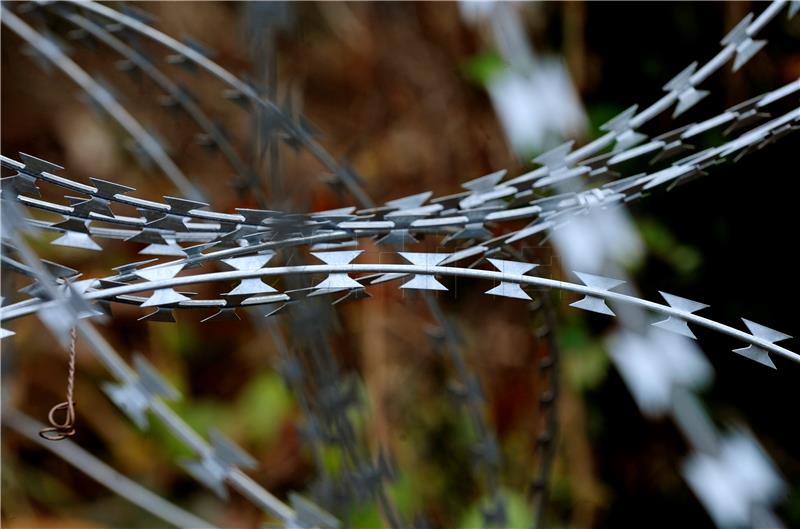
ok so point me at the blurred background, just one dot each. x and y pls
(403, 93)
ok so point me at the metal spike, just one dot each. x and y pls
(257, 216)
(86, 207)
(687, 99)
(131, 267)
(383, 278)
(230, 453)
(688, 95)
(681, 81)
(152, 381)
(355, 294)
(161, 315)
(58, 270)
(195, 253)
(464, 254)
(757, 354)
(510, 290)
(745, 51)
(397, 238)
(216, 465)
(485, 183)
(333, 246)
(164, 296)
(251, 286)
(427, 260)
(309, 516)
(555, 158)
(134, 397)
(599, 282)
(470, 231)
(745, 46)
(626, 137)
(74, 239)
(157, 273)
(675, 324)
(131, 400)
(532, 229)
(335, 215)
(73, 224)
(593, 303)
(169, 222)
(183, 206)
(37, 165)
(250, 262)
(210, 473)
(20, 183)
(765, 333)
(109, 190)
(621, 121)
(224, 314)
(337, 281)
(738, 34)
(148, 236)
(411, 201)
(668, 174)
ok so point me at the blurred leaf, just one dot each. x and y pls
(47, 488)
(365, 516)
(203, 415)
(405, 494)
(663, 244)
(517, 510)
(332, 459)
(263, 406)
(585, 362)
(482, 67)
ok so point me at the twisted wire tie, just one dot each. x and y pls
(61, 430)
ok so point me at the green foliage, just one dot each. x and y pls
(480, 68)
(517, 509)
(662, 244)
(584, 360)
(263, 407)
(365, 516)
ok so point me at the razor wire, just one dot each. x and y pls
(164, 224)
(738, 44)
(102, 473)
(141, 389)
(158, 314)
(480, 193)
(423, 269)
(161, 315)
(104, 99)
(141, 62)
